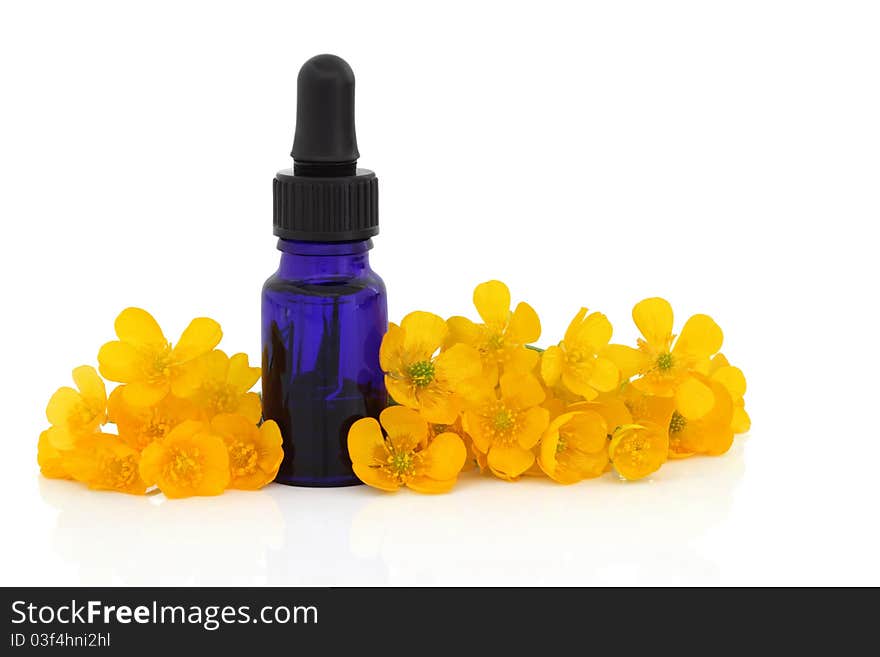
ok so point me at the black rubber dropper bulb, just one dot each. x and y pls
(325, 143)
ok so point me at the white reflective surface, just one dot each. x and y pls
(703, 521)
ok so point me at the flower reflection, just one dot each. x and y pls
(123, 539)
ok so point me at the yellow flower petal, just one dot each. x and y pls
(200, 337)
(574, 466)
(138, 328)
(520, 391)
(423, 334)
(90, 385)
(241, 375)
(731, 378)
(605, 376)
(366, 445)
(576, 384)
(476, 429)
(510, 462)
(547, 451)
(700, 338)
(120, 361)
(271, 444)
(551, 365)
(591, 334)
(520, 359)
(439, 406)
(50, 459)
(613, 410)
(391, 350)
(587, 431)
(61, 438)
(461, 329)
(250, 407)
(741, 422)
(402, 392)
(492, 300)
(61, 404)
(629, 361)
(573, 326)
(524, 326)
(145, 394)
(405, 427)
(376, 477)
(430, 486)
(534, 423)
(653, 317)
(694, 399)
(457, 364)
(445, 457)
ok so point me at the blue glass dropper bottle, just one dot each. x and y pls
(325, 309)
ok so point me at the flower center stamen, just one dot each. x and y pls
(184, 467)
(242, 458)
(665, 362)
(495, 341)
(677, 423)
(422, 373)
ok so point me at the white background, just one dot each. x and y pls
(721, 154)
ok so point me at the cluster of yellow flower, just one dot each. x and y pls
(480, 394)
(186, 421)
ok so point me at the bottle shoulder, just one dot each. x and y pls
(365, 282)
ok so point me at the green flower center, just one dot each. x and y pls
(161, 364)
(495, 341)
(677, 423)
(402, 463)
(503, 420)
(665, 362)
(560, 445)
(422, 373)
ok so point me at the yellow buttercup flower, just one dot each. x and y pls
(190, 460)
(733, 379)
(502, 337)
(638, 450)
(254, 453)
(577, 361)
(141, 425)
(665, 364)
(419, 377)
(75, 413)
(400, 459)
(51, 460)
(144, 359)
(711, 434)
(574, 447)
(506, 426)
(106, 462)
(218, 384)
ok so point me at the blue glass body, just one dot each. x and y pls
(324, 315)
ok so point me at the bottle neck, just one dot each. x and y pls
(318, 260)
